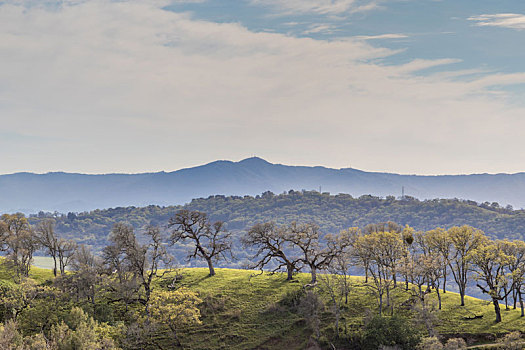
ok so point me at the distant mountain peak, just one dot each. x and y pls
(254, 160)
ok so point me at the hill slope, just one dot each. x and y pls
(242, 311)
(65, 192)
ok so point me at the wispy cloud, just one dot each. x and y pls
(505, 20)
(420, 64)
(326, 7)
(381, 36)
(320, 29)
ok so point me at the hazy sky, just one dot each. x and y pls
(421, 86)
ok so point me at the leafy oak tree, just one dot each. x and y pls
(491, 263)
(465, 240)
(382, 248)
(20, 243)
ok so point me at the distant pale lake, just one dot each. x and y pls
(45, 262)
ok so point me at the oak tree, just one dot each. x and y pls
(211, 241)
(272, 244)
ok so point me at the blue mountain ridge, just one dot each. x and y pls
(65, 192)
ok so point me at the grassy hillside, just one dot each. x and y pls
(252, 317)
(243, 311)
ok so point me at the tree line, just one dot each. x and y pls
(331, 212)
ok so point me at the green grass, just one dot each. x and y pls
(245, 320)
(236, 310)
(243, 311)
(40, 275)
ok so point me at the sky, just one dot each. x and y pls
(404, 86)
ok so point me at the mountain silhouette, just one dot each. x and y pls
(70, 192)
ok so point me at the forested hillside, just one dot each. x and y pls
(331, 212)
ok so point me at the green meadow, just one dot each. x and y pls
(243, 309)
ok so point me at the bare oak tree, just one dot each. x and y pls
(271, 244)
(317, 251)
(45, 233)
(66, 249)
(60, 249)
(141, 261)
(211, 241)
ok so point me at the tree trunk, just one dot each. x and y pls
(176, 339)
(147, 290)
(61, 263)
(289, 269)
(439, 298)
(462, 295)
(521, 303)
(380, 304)
(506, 299)
(497, 310)
(55, 265)
(210, 266)
(445, 280)
(313, 271)
(337, 322)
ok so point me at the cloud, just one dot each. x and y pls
(504, 20)
(326, 7)
(320, 28)
(381, 36)
(103, 86)
(420, 64)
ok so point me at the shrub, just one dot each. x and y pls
(390, 331)
(512, 341)
(310, 307)
(292, 298)
(455, 344)
(430, 343)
